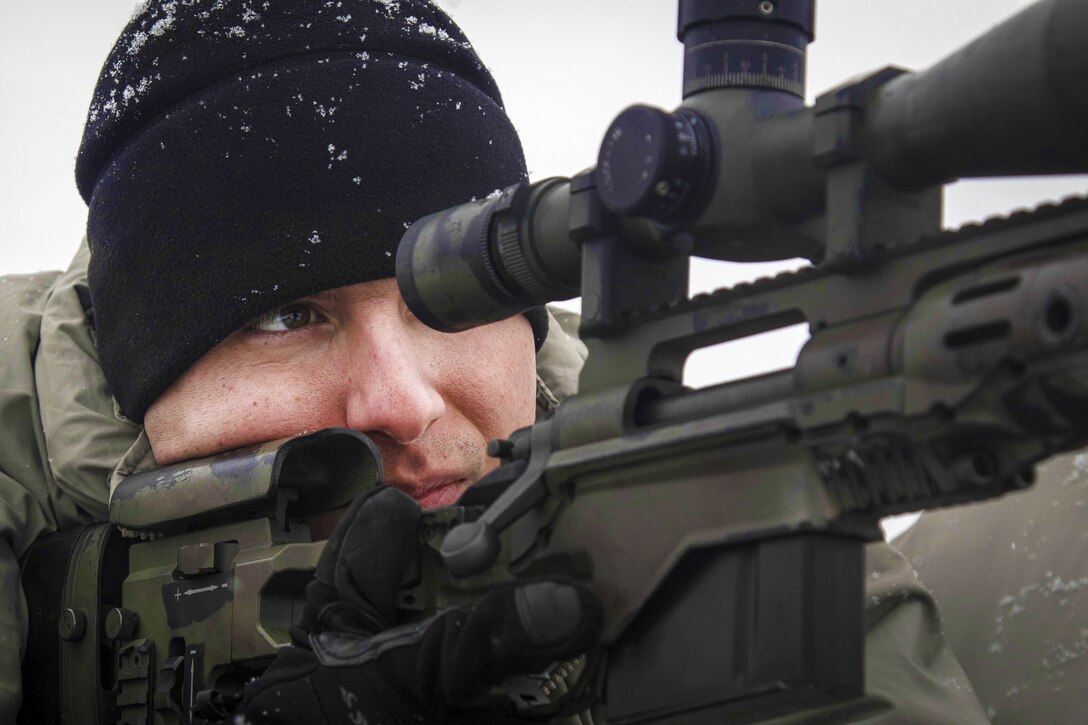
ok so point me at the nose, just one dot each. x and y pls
(390, 389)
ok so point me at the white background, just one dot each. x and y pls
(565, 67)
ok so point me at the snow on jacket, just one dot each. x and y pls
(1011, 576)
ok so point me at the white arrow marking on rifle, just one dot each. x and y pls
(212, 588)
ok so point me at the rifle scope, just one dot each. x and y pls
(742, 170)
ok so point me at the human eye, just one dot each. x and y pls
(286, 318)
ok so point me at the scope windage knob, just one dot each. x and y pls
(652, 163)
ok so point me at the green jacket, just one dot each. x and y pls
(1011, 576)
(62, 443)
(60, 438)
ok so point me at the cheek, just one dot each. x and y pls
(495, 377)
(203, 415)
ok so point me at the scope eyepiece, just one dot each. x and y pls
(481, 262)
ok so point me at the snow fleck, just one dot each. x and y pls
(392, 7)
(236, 31)
(140, 9)
(403, 64)
(363, 55)
(440, 33)
(333, 156)
(344, 18)
(388, 253)
(137, 42)
(109, 106)
(358, 180)
(162, 25)
(457, 106)
(315, 238)
(1057, 584)
(1079, 472)
(250, 15)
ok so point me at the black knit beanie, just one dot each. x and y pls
(242, 154)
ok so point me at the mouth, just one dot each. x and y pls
(435, 495)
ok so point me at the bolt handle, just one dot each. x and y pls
(470, 548)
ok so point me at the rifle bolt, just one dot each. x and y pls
(72, 625)
(121, 623)
(500, 448)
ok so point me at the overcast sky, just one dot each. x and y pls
(565, 67)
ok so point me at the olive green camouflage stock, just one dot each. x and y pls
(202, 566)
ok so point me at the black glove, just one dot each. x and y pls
(353, 664)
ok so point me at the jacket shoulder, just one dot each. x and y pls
(1011, 580)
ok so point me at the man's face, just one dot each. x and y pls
(356, 357)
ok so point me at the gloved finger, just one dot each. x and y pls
(372, 547)
(447, 664)
(515, 629)
(529, 626)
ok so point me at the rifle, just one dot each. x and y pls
(941, 367)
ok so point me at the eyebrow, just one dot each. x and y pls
(330, 296)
